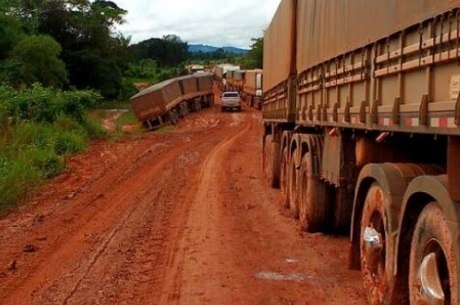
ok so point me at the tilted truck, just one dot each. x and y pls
(252, 88)
(167, 101)
(362, 134)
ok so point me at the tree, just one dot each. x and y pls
(36, 59)
(169, 51)
(94, 58)
(254, 58)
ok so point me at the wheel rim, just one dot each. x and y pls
(373, 254)
(432, 282)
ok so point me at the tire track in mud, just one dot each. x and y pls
(74, 246)
(182, 258)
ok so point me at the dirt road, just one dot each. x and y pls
(179, 217)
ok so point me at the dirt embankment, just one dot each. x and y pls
(183, 217)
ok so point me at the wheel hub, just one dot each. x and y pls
(428, 278)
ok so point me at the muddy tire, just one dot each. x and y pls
(432, 236)
(293, 185)
(313, 201)
(196, 105)
(284, 177)
(267, 155)
(173, 116)
(373, 258)
(271, 161)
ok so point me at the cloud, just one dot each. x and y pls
(214, 22)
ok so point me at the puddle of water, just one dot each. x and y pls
(277, 276)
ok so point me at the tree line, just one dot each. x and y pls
(73, 44)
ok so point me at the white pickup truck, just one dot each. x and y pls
(231, 101)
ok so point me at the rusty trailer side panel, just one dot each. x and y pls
(279, 64)
(326, 29)
(408, 81)
(204, 82)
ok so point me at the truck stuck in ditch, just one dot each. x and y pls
(361, 116)
(172, 99)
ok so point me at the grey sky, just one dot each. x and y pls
(213, 22)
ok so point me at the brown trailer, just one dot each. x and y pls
(156, 104)
(362, 134)
(205, 85)
(252, 88)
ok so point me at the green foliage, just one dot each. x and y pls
(254, 58)
(45, 161)
(10, 33)
(44, 104)
(219, 55)
(32, 151)
(36, 59)
(69, 143)
(169, 51)
(127, 89)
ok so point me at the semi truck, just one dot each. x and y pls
(252, 88)
(361, 115)
(172, 99)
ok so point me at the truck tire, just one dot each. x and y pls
(271, 161)
(373, 255)
(173, 116)
(293, 186)
(197, 105)
(432, 236)
(266, 154)
(183, 109)
(284, 177)
(314, 208)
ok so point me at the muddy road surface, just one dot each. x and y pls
(181, 216)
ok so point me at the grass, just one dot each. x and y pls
(32, 152)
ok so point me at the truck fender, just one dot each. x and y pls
(295, 144)
(394, 179)
(421, 191)
(285, 139)
(314, 144)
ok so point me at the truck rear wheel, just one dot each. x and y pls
(173, 116)
(293, 186)
(372, 245)
(271, 161)
(432, 266)
(313, 201)
(197, 105)
(284, 180)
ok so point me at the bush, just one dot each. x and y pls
(45, 161)
(41, 104)
(38, 127)
(69, 143)
(16, 177)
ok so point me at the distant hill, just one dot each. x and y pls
(193, 48)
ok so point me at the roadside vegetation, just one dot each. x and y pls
(39, 128)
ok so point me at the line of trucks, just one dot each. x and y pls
(361, 114)
(247, 82)
(172, 99)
